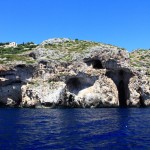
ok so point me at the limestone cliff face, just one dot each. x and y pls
(11, 81)
(139, 91)
(75, 74)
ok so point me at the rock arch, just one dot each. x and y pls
(121, 79)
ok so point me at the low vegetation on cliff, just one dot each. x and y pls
(67, 50)
(73, 45)
(140, 58)
(10, 55)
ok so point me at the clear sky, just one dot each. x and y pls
(125, 23)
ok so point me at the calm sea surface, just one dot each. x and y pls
(104, 128)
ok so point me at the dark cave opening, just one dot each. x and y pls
(141, 98)
(21, 66)
(73, 83)
(122, 94)
(70, 98)
(121, 72)
(141, 101)
(76, 84)
(121, 79)
(96, 63)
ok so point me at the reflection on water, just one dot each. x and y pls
(111, 128)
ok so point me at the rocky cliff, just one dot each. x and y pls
(75, 74)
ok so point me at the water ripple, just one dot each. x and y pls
(75, 128)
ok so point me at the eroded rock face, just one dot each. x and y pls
(46, 94)
(11, 81)
(92, 91)
(100, 76)
(102, 93)
(10, 95)
(139, 91)
(77, 92)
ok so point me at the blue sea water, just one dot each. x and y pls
(103, 128)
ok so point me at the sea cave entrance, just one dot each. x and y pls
(74, 85)
(122, 94)
(121, 79)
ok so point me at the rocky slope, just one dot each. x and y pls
(75, 74)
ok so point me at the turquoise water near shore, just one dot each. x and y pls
(102, 128)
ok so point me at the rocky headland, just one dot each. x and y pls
(65, 73)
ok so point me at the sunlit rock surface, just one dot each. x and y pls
(75, 74)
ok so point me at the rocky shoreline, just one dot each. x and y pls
(74, 74)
